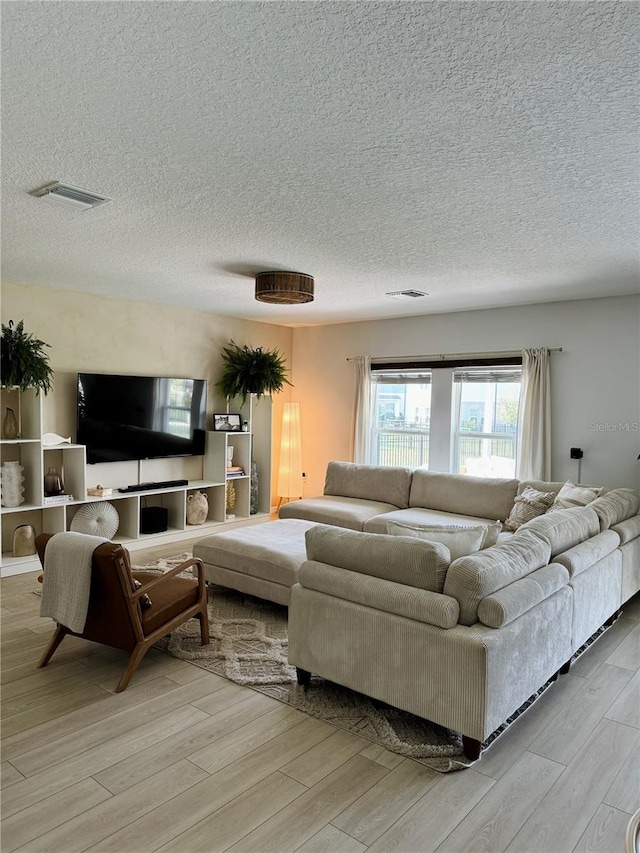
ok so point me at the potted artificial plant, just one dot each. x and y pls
(25, 364)
(251, 371)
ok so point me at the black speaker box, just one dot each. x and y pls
(153, 519)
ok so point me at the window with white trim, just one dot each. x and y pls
(485, 421)
(401, 418)
(458, 417)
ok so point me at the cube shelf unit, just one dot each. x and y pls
(70, 459)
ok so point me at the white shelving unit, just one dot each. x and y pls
(70, 460)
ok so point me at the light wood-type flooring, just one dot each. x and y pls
(185, 761)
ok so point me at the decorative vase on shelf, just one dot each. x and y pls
(197, 508)
(229, 456)
(231, 498)
(11, 484)
(53, 484)
(24, 540)
(253, 497)
(10, 424)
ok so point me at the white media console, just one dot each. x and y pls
(206, 474)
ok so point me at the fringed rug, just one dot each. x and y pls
(249, 646)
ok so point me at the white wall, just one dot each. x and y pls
(595, 380)
(98, 334)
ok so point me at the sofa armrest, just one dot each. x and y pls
(512, 601)
(419, 604)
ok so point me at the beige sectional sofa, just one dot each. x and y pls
(367, 497)
(463, 643)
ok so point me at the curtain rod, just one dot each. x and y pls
(449, 355)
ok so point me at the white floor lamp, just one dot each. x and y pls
(290, 470)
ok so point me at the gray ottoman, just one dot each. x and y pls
(261, 560)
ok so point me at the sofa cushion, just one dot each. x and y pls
(341, 512)
(413, 562)
(530, 503)
(572, 495)
(563, 528)
(470, 579)
(459, 493)
(615, 506)
(494, 529)
(540, 486)
(512, 601)
(628, 529)
(369, 482)
(419, 604)
(586, 554)
(458, 540)
(419, 515)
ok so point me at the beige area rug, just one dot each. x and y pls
(249, 646)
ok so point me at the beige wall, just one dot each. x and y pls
(97, 334)
(595, 380)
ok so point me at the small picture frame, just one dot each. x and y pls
(227, 423)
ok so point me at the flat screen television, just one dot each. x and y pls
(140, 417)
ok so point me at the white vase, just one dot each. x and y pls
(11, 484)
(197, 508)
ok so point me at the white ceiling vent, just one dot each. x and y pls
(406, 294)
(70, 196)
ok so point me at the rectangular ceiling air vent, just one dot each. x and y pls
(406, 294)
(70, 196)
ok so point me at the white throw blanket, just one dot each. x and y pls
(67, 578)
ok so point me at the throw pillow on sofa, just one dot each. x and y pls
(491, 536)
(458, 539)
(572, 495)
(530, 504)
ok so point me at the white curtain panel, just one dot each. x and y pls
(362, 418)
(533, 458)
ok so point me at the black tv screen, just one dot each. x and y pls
(140, 417)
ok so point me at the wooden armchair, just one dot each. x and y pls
(116, 616)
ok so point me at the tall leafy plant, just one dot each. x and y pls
(248, 371)
(23, 361)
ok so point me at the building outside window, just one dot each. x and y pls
(485, 421)
(401, 421)
(458, 419)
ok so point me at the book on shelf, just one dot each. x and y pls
(233, 474)
(57, 499)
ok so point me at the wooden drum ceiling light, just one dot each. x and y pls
(282, 287)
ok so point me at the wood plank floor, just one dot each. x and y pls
(186, 761)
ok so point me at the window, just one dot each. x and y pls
(486, 421)
(401, 420)
(452, 416)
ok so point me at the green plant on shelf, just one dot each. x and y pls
(25, 364)
(249, 371)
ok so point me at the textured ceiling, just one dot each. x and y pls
(484, 152)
